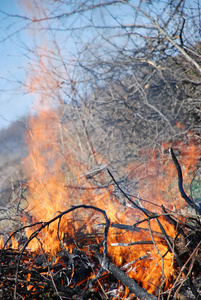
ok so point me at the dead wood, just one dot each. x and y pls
(151, 215)
(180, 184)
(71, 277)
(126, 280)
(20, 272)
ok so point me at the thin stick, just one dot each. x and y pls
(180, 183)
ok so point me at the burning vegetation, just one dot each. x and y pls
(84, 233)
(84, 237)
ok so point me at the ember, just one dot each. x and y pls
(84, 243)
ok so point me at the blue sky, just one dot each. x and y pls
(13, 104)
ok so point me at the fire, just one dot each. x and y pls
(54, 166)
(57, 179)
(157, 177)
(50, 172)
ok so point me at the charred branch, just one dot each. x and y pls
(21, 285)
(145, 211)
(126, 280)
(180, 183)
(72, 276)
(150, 215)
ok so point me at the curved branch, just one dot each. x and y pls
(46, 224)
(180, 183)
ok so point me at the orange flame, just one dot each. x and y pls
(55, 165)
(51, 170)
